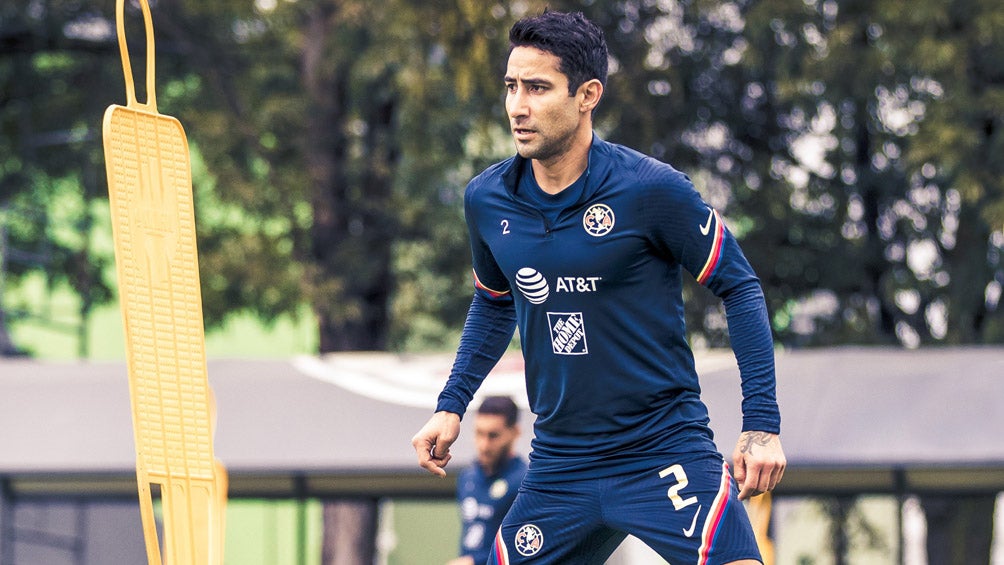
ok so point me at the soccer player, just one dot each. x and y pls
(582, 243)
(486, 489)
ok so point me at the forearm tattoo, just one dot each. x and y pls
(750, 439)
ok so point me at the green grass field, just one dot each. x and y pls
(268, 532)
(52, 332)
(260, 532)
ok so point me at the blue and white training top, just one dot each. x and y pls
(595, 286)
(484, 501)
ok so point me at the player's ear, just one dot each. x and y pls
(589, 95)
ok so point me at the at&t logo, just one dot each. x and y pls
(533, 285)
(536, 289)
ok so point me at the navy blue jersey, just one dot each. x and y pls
(483, 502)
(598, 300)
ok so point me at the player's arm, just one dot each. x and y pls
(490, 324)
(465, 560)
(758, 460)
(689, 230)
(491, 319)
(487, 333)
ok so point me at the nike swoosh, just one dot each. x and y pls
(707, 225)
(693, 523)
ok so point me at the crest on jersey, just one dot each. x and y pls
(498, 489)
(598, 220)
(529, 540)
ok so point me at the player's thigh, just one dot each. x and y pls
(554, 526)
(687, 510)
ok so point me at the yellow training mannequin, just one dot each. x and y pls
(153, 222)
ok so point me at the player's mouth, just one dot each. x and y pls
(523, 133)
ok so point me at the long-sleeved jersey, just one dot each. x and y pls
(596, 291)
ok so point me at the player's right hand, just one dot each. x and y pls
(758, 463)
(432, 443)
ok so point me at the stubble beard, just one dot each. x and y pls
(495, 463)
(546, 149)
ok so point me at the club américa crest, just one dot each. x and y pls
(598, 220)
(529, 540)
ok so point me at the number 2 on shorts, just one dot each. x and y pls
(681, 483)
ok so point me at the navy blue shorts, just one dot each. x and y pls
(687, 511)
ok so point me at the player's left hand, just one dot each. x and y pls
(758, 463)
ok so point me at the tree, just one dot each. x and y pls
(958, 73)
(333, 140)
(330, 142)
(52, 60)
(817, 128)
(334, 128)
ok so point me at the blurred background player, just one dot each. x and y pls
(486, 489)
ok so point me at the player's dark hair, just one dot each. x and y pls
(575, 40)
(500, 406)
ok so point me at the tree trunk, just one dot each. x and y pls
(970, 274)
(351, 235)
(872, 197)
(959, 528)
(350, 528)
(351, 177)
(7, 347)
(838, 512)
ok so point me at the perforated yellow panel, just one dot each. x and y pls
(153, 221)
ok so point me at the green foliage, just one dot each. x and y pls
(854, 147)
(853, 150)
(50, 160)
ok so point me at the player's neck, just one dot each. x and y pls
(559, 172)
(496, 465)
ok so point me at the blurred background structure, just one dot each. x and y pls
(873, 453)
(855, 147)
